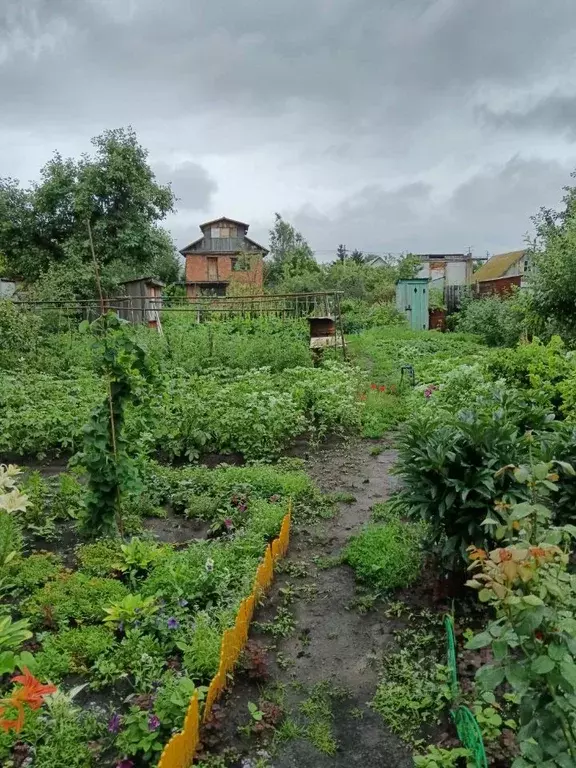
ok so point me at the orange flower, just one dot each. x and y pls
(504, 555)
(31, 692)
(9, 725)
(478, 554)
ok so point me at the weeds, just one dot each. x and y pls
(281, 625)
(413, 687)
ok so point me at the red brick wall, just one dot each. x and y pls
(197, 270)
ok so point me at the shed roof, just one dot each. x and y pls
(497, 266)
(147, 280)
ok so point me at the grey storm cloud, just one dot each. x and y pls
(480, 212)
(554, 114)
(390, 121)
(190, 182)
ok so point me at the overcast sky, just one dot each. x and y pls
(387, 125)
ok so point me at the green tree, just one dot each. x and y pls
(290, 254)
(44, 228)
(357, 256)
(553, 266)
(341, 253)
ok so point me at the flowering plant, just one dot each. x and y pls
(31, 692)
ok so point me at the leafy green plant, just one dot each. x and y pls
(132, 608)
(99, 558)
(139, 556)
(532, 642)
(106, 455)
(72, 597)
(173, 699)
(387, 556)
(13, 633)
(28, 573)
(139, 657)
(498, 321)
(201, 652)
(438, 757)
(72, 651)
(141, 734)
(449, 465)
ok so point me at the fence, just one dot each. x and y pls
(181, 749)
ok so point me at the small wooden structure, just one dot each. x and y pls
(412, 301)
(142, 302)
(324, 334)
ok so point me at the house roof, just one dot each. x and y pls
(260, 247)
(444, 256)
(224, 218)
(189, 247)
(497, 266)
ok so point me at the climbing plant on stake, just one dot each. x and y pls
(106, 456)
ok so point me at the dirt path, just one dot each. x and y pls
(325, 669)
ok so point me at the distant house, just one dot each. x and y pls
(502, 272)
(444, 269)
(223, 255)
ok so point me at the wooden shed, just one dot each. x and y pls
(142, 301)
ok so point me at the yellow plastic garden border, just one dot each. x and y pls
(180, 750)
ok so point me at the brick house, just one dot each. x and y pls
(222, 256)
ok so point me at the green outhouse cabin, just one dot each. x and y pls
(412, 301)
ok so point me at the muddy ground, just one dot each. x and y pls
(334, 647)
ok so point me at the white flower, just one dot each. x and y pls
(14, 501)
(209, 565)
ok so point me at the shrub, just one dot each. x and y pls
(72, 651)
(498, 322)
(448, 465)
(30, 572)
(73, 597)
(99, 558)
(387, 556)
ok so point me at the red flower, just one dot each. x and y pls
(382, 389)
(373, 386)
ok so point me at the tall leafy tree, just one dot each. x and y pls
(552, 267)
(44, 228)
(290, 254)
(341, 253)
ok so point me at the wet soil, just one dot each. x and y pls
(333, 643)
